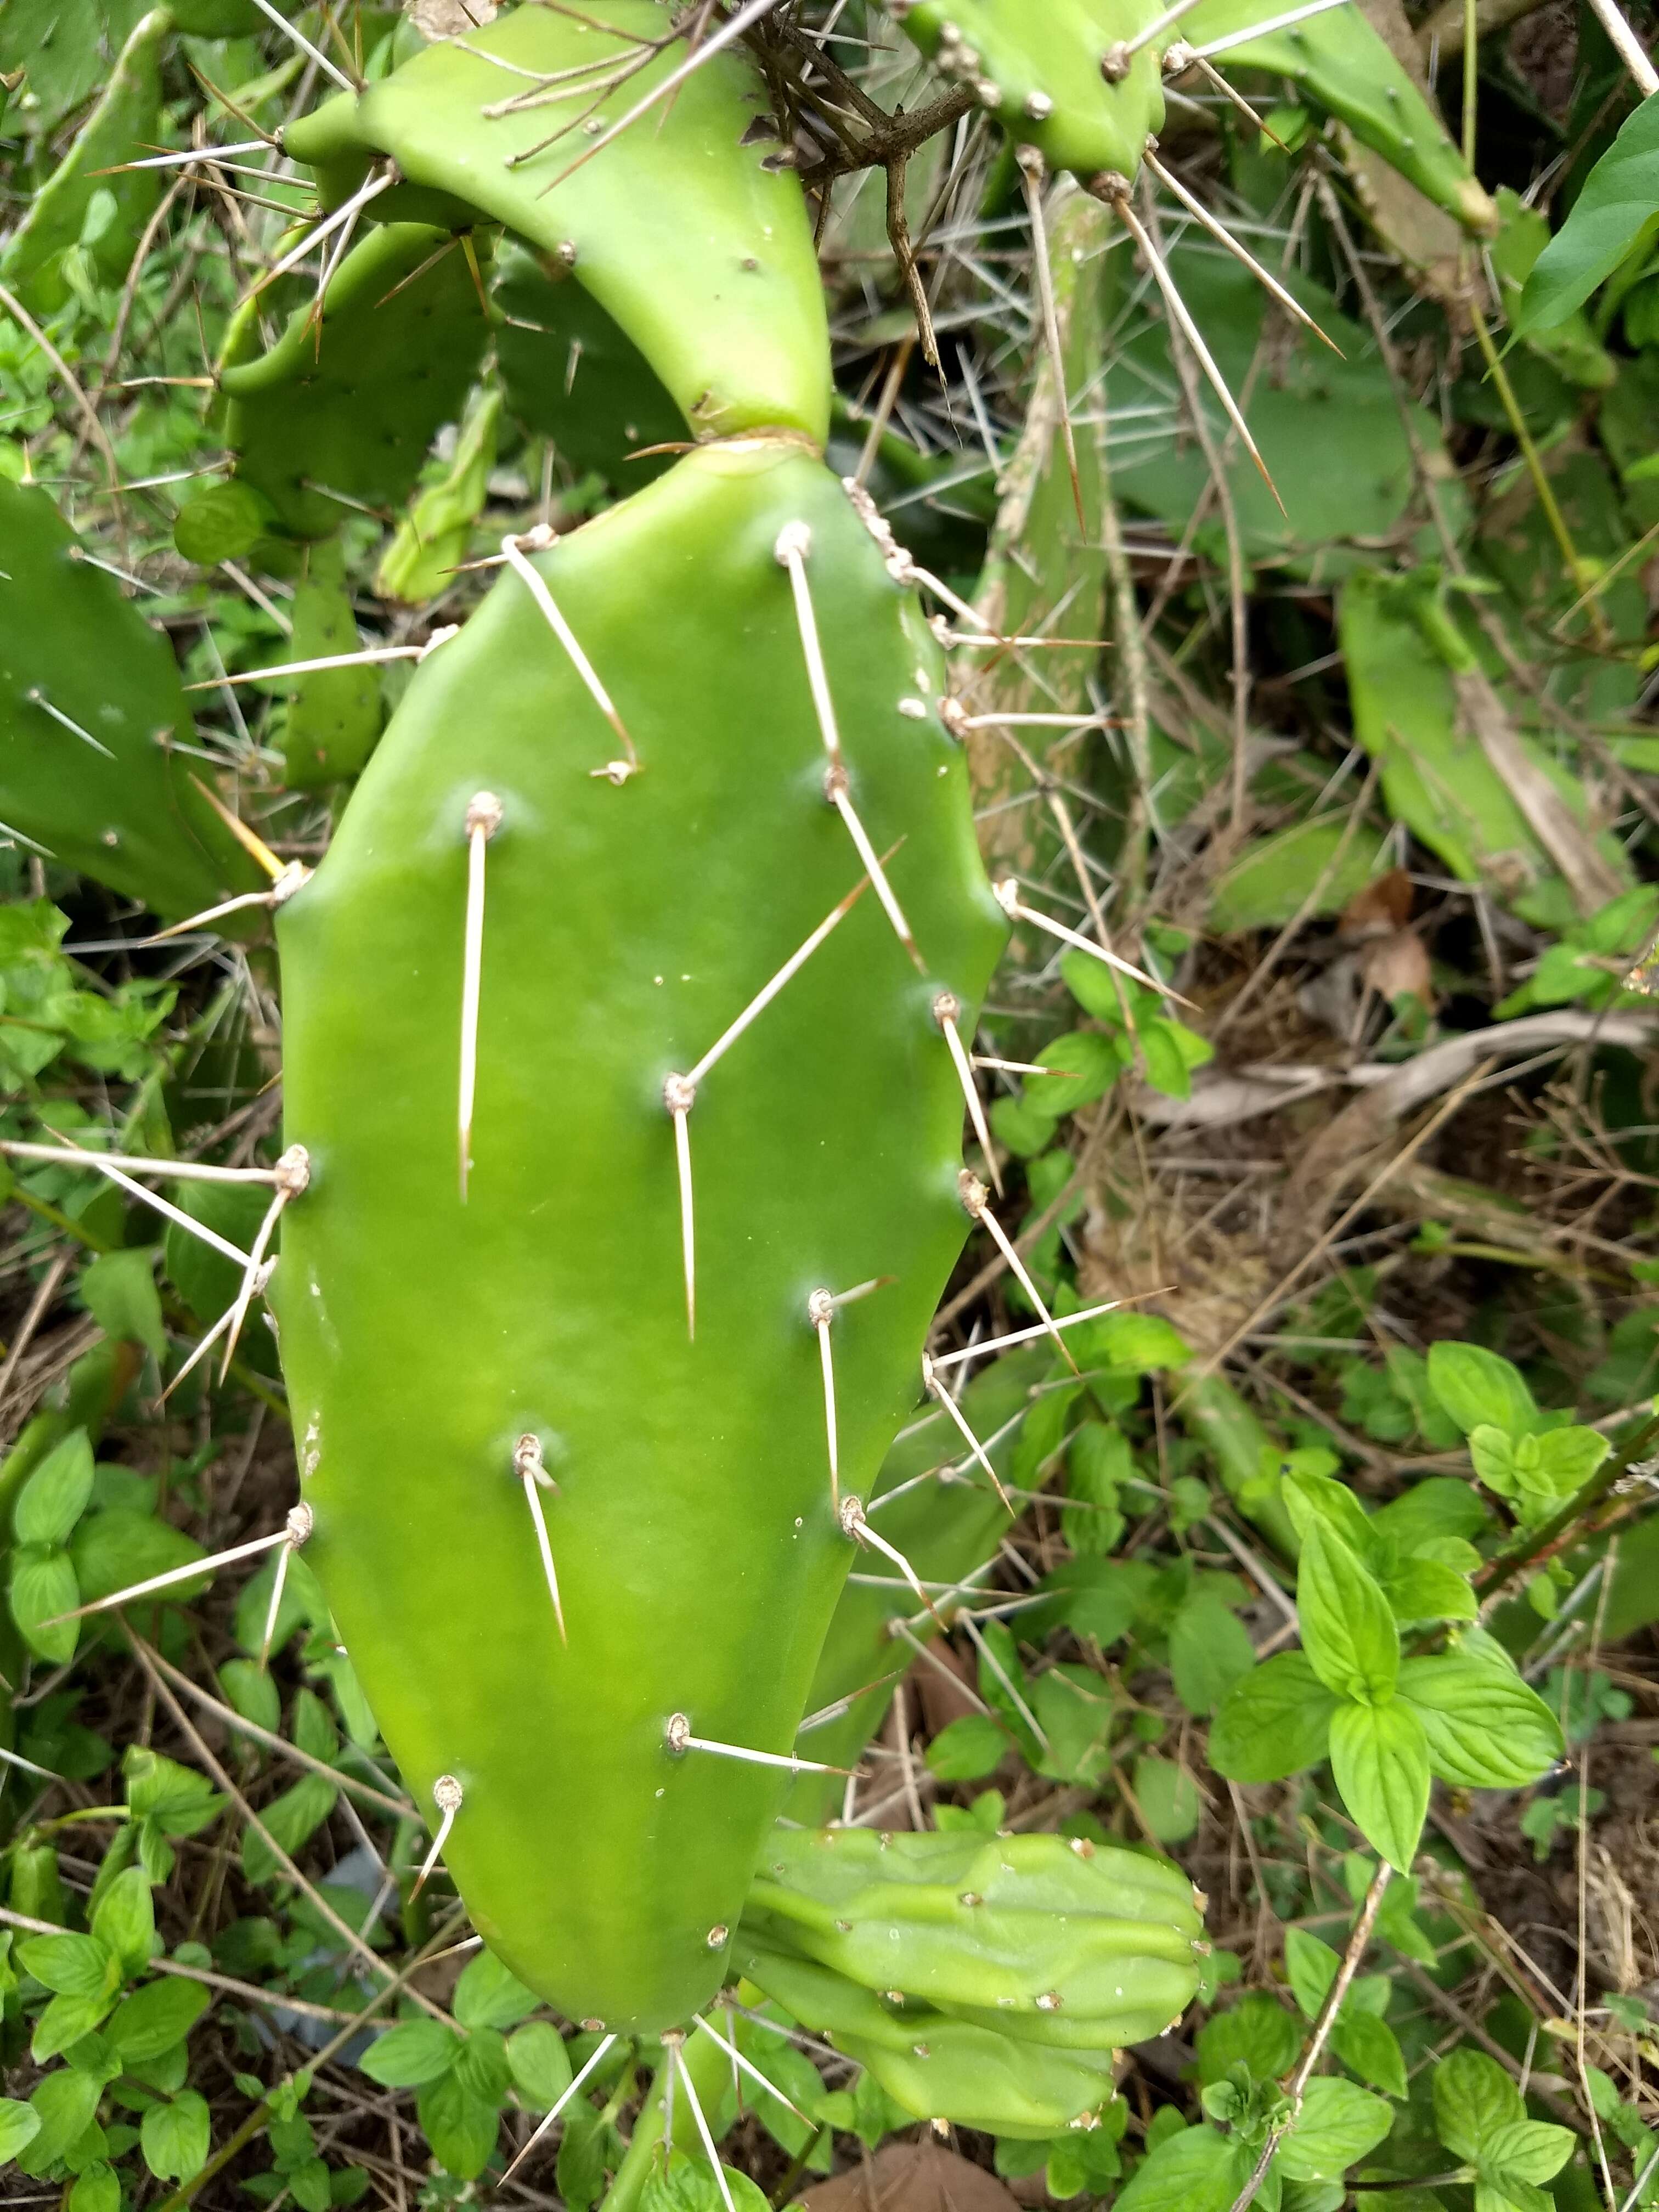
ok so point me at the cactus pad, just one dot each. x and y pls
(1051, 74)
(90, 702)
(333, 714)
(430, 1342)
(686, 229)
(352, 404)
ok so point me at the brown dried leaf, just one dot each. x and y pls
(911, 2177)
(1384, 904)
(1397, 966)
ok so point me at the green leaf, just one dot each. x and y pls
(1485, 1728)
(1380, 1760)
(179, 1799)
(125, 1920)
(1312, 1967)
(119, 1291)
(55, 1496)
(1337, 2124)
(1348, 1632)
(43, 1586)
(292, 1818)
(1198, 2170)
(19, 2126)
(64, 2104)
(967, 1749)
(1276, 1722)
(1480, 1390)
(1257, 2033)
(149, 2022)
(412, 2054)
(65, 2021)
(1568, 1457)
(1615, 217)
(120, 1546)
(1474, 2100)
(1210, 1650)
(481, 2068)
(1170, 1051)
(688, 2184)
(487, 1996)
(1309, 1497)
(1424, 1589)
(1524, 2150)
(1168, 1798)
(97, 2189)
(176, 2137)
(220, 524)
(72, 1966)
(1086, 1065)
(1368, 2046)
(461, 2128)
(539, 2064)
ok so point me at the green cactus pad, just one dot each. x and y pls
(353, 407)
(1080, 1945)
(626, 927)
(334, 713)
(107, 796)
(125, 123)
(694, 242)
(1046, 72)
(571, 374)
(933, 2066)
(1347, 66)
(433, 537)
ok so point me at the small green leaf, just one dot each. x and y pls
(461, 2128)
(1485, 1729)
(966, 1750)
(487, 1996)
(19, 2126)
(540, 2065)
(1337, 2124)
(119, 1291)
(1615, 214)
(1479, 1389)
(176, 2137)
(411, 2055)
(55, 1496)
(1198, 2170)
(1348, 1630)
(64, 2104)
(1275, 1722)
(1380, 1760)
(1210, 1650)
(1424, 1589)
(1311, 1968)
(66, 2020)
(1524, 2150)
(125, 1919)
(1257, 2033)
(220, 524)
(97, 2189)
(72, 1966)
(1368, 2046)
(149, 2022)
(43, 1587)
(292, 1818)
(1168, 1798)
(1474, 2099)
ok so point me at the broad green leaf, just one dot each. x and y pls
(119, 1291)
(65, 2021)
(1276, 1722)
(460, 2127)
(481, 2068)
(97, 2189)
(1568, 1457)
(120, 1546)
(1492, 1454)
(71, 1965)
(1310, 1497)
(19, 2125)
(125, 1919)
(412, 2054)
(181, 1801)
(1479, 1389)
(967, 1749)
(55, 1496)
(64, 2104)
(153, 2019)
(1337, 2124)
(1424, 1589)
(1525, 2150)
(1474, 2100)
(1368, 2046)
(487, 1996)
(1348, 1632)
(44, 1587)
(1168, 1797)
(176, 2137)
(1256, 2032)
(1380, 1760)
(540, 2065)
(1198, 2170)
(1311, 1967)
(1615, 216)
(293, 1819)
(1484, 1728)
(1210, 1650)
(688, 2185)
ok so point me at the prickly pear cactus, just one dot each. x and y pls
(724, 299)
(472, 1362)
(341, 410)
(90, 705)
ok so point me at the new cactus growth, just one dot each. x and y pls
(599, 936)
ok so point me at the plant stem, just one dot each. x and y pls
(1504, 1565)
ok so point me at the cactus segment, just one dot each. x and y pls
(351, 406)
(720, 291)
(333, 714)
(1080, 1946)
(90, 705)
(125, 121)
(433, 538)
(1347, 66)
(1053, 75)
(572, 374)
(625, 927)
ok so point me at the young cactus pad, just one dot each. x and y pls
(90, 704)
(1058, 76)
(685, 228)
(445, 1349)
